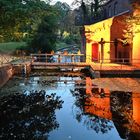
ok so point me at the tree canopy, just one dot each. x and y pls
(89, 9)
(37, 22)
(18, 17)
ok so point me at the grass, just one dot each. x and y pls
(10, 47)
(60, 45)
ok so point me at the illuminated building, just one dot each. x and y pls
(116, 38)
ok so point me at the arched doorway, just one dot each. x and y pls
(95, 52)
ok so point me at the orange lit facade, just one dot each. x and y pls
(101, 106)
(114, 27)
(136, 115)
(97, 105)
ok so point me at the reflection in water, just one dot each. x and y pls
(88, 113)
(29, 116)
(102, 112)
(125, 114)
(97, 106)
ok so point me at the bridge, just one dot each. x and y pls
(75, 62)
(51, 61)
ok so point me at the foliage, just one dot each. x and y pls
(29, 116)
(91, 121)
(20, 17)
(67, 28)
(132, 21)
(71, 39)
(89, 8)
(46, 35)
(36, 22)
(60, 45)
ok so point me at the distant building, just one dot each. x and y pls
(110, 38)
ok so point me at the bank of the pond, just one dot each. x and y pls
(119, 84)
(6, 72)
(22, 68)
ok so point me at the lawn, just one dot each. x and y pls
(60, 45)
(10, 47)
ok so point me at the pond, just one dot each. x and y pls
(66, 106)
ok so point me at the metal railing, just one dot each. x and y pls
(118, 64)
(106, 64)
(58, 58)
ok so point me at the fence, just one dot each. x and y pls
(118, 64)
(106, 64)
(57, 58)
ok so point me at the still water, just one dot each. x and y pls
(66, 107)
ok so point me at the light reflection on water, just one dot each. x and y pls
(88, 112)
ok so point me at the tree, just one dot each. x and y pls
(46, 35)
(89, 8)
(19, 17)
(63, 12)
(68, 32)
(131, 21)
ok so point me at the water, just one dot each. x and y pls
(77, 109)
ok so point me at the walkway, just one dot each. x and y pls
(113, 66)
(41, 61)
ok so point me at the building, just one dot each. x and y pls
(120, 107)
(116, 38)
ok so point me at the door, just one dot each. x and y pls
(95, 51)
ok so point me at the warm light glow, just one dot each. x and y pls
(88, 85)
(94, 33)
(97, 105)
(136, 113)
(136, 44)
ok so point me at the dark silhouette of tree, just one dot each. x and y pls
(91, 121)
(45, 38)
(121, 107)
(29, 116)
(90, 9)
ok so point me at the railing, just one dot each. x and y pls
(118, 64)
(106, 64)
(58, 58)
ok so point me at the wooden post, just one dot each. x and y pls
(102, 42)
(58, 58)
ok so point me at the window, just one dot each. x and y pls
(115, 8)
(109, 11)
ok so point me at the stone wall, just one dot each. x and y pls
(6, 72)
(18, 69)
